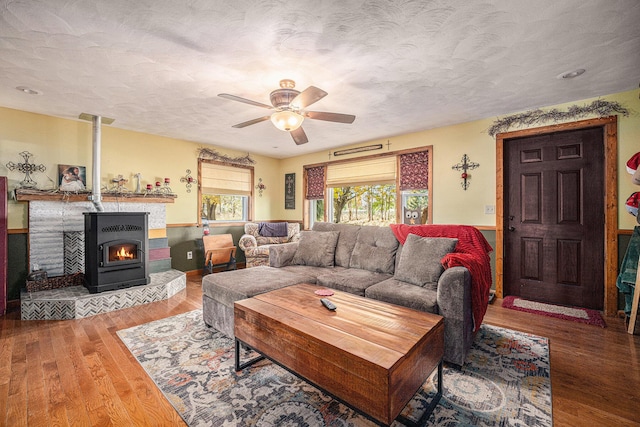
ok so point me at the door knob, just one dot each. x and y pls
(512, 228)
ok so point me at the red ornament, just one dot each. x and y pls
(166, 180)
(464, 175)
(158, 184)
(149, 186)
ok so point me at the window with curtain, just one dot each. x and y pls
(414, 187)
(225, 191)
(314, 193)
(367, 191)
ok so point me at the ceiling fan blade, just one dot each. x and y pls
(307, 97)
(251, 122)
(244, 100)
(299, 137)
(330, 117)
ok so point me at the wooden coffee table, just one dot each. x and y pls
(372, 355)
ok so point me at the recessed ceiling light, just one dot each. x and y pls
(28, 91)
(571, 74)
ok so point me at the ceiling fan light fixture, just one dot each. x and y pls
(286, 120)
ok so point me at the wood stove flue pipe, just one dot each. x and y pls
(96, 195)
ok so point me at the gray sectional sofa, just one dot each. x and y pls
(363, 260)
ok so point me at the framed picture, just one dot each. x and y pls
(72, 177)
(290, 191)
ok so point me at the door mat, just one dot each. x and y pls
(575, 314)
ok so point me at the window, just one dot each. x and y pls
(363, 204)
(225, 191)
(415, 206)
(367, 191)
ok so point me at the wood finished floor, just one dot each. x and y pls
(78, 372)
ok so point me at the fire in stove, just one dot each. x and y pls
(122, 253)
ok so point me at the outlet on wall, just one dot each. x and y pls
(189, 254)
(489, 209)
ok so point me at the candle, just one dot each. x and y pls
(158, 184)
(149, 186)
(166, 180)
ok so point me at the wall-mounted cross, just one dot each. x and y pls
(27, 169)
(465, 165)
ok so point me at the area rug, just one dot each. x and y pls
(505, 382)
(576, 314)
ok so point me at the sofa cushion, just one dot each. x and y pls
(346, 240)
(375, 250)
(310, 270)
(405, 294)
(316, 248)
(420, 259)
(230, 286)
(352, 280)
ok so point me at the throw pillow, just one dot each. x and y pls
(316, 248)
(420, 259)
(378, 259)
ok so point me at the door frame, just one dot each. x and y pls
(610, 128)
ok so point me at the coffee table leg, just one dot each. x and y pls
(430, 407)
(241, 366)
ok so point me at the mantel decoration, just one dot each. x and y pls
(210, 154)
(465, 165)
(189, 180)
(598, 107)
(162, 187)
(117, 185)
(27, 169)
(260, 187)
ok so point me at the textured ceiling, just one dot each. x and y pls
(156, 66)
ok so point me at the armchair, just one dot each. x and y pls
(256, 246)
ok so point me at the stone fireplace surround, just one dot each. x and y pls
(50, 220)
(49, 223)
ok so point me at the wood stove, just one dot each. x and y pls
(116, 255)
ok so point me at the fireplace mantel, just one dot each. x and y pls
(25, 195)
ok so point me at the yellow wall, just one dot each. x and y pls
(453, 205)
(56, 141)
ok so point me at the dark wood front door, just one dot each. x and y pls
(554, 217)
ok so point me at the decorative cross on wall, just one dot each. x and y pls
(189, 180)
(464, 165)
(27, 169)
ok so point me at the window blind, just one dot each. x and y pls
(225, 179)
(379, 170)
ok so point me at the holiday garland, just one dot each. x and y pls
(208, 153)
(598, 107)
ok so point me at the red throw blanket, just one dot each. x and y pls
(472, 252)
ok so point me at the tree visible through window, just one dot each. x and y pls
(365, 204)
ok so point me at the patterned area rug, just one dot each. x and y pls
(505, 382)
(576, 314)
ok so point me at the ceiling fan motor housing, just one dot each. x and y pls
(281, 98)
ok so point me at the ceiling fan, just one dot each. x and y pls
(289, 104)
